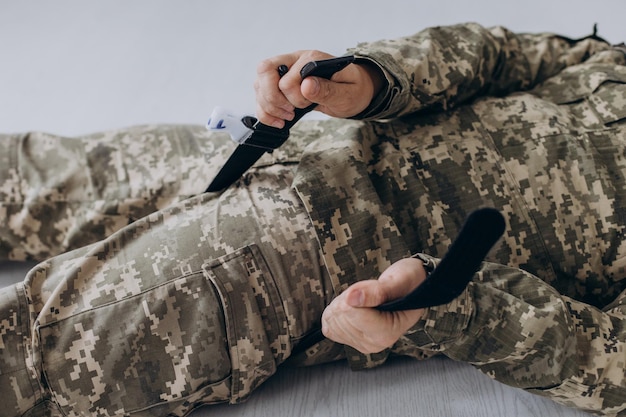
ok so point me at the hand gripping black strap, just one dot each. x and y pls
(266, 138)
(448, 280)
(481, 231)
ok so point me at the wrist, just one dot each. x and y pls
(374, 74)
(381, 88)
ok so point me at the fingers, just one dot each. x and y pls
(365, 329)
(276, 96)
(272, 106)
(348, 93)
(402, 277)
(351, 318)
(356, 327)
(366, 294)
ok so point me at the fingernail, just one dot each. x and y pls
(360, 298)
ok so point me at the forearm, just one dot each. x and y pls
(443, 66)
(519, 330)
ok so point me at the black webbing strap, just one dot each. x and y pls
(266, 138)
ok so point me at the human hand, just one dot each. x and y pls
(352, 320)
(346, 94)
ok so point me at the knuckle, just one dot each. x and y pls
(314, 54)
(328, 332)
(289, 86)
(369, 348)
(264, 66)
(274, 97)
(382, 341)
(327, 90)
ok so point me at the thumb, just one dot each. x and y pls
(366, 294)
(333, 98)
(317, 90)
(337, 99)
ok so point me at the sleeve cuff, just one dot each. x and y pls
(444, 324)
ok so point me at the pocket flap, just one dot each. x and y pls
(578, 82)
(610, 102)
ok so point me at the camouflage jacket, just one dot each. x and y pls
(534, 125)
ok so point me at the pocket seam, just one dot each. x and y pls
(239, 367)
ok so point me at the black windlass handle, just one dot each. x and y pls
(265, 138)
(481, 231)
(325, 68)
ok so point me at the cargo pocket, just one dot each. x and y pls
(161, 351)
(256, 325)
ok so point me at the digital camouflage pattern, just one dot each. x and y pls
(176, 309)
(200, 300)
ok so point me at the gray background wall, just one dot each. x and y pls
(75, 66)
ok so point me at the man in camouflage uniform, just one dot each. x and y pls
(157, 298)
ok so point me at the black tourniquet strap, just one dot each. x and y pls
(448, 280)
(266, 138)
(263, 139)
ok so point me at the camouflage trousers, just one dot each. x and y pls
(151, 297)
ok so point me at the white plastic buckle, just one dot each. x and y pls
(224, 120)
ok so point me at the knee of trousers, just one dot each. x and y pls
(210, 336)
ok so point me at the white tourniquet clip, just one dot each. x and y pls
(224, 120)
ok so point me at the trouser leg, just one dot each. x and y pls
(19, 387)
(59, 193)
(193, 304)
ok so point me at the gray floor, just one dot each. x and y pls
(74, 66)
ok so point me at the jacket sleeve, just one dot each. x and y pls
(520, 331)
(441, 67)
